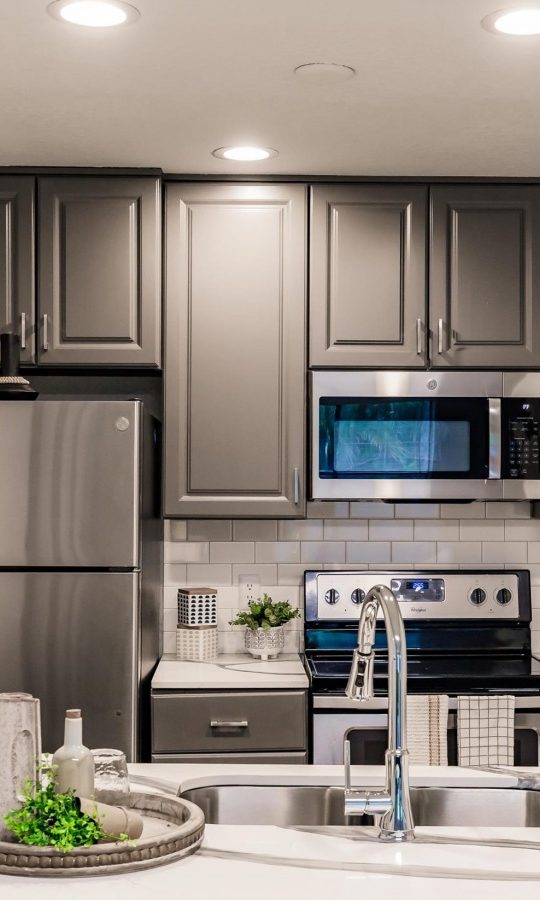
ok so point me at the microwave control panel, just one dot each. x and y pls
(520, 437)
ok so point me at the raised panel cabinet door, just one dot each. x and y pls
(368, 276)
(485, 276)
(99, 271)
(235, 350)
(17, 266)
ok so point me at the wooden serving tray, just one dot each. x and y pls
(173, 828)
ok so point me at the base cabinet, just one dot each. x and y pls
(235, 350)
(223, 726)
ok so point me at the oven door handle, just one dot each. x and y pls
(494, 437)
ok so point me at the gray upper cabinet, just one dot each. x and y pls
(235, 350)
(17, 273)
(367, 275)
(99, 271)
(485, 276)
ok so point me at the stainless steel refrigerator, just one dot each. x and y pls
(80, 565)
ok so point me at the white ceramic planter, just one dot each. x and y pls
(266, 643)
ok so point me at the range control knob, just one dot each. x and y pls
(503, 596)
(331, 596)
(477, 596)
(358, 596)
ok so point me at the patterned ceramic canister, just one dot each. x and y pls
(20, 749)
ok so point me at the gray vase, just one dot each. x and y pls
(20, 750)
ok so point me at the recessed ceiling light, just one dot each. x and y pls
(94, 13)
(520, 22)
(244, 154)
(325, 72)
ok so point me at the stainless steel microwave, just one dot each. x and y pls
(425, 435)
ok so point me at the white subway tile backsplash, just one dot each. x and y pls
(174, 574)
(315, 552)
(208, 575)
(209, 530)
(186, 552)
(522, 530)
(414, 551)
(175, 530)
(417, 510)
(476, 510)
(368, 552)
(327, 509)
(391, 531)
(452, 552)
(439, 530)
(372, 509)
(300, 530)
(277, 551)
(518, 509)
(292, 573)
(500, 552)
(255, 530)
(341, 535)
(267, 572)
(232, 552)
(481, 530)
(345, 530)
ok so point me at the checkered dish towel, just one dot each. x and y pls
(427, 726)
(486, 731)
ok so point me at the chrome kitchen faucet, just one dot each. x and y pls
(393, 805)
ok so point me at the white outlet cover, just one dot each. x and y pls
(249, 588)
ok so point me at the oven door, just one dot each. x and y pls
(368, 735)
(406, 435)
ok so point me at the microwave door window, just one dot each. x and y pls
(403, 438)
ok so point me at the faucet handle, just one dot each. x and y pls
(360, 683)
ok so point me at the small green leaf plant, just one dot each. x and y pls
(264, 613)
(48, 819)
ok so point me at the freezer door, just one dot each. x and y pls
(69, 483)
(71, 639)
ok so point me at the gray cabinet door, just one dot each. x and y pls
(99, 271)
(17, 296)
(367, 275)
(485, 276)
(235, 350)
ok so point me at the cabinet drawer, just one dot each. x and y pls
(296, 757)
(228, 722)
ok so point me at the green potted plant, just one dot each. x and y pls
(264, 621)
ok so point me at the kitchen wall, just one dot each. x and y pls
(354, 535)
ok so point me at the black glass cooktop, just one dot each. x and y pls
(437, 674)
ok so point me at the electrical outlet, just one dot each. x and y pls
(249, 588)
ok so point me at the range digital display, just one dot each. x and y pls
(426, 590)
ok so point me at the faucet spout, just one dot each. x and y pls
(396, 821)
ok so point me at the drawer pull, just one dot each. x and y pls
(225, 723)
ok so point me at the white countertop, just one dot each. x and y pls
(234, 671)
(265, 862)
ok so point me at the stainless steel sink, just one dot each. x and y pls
(320, 806)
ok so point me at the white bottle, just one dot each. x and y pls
(74, 762)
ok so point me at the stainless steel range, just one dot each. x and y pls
(468, 632)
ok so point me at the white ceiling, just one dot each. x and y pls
(434, 94)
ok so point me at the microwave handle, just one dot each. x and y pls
(494, 437)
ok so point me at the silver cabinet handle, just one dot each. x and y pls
(23, 331)
(419, 324)
(225, 723)
(45, 342)
(296, 485)
(494, 437)
(440, 332)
